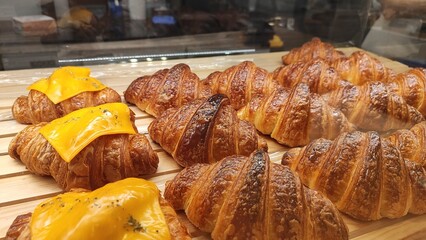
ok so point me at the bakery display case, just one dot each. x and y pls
(23, 189)
(103, 31)
(99, 32)
(213, 119)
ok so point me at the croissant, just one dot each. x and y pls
(167, 88)
(320, 77)
(412, 146)
(373, 107)
(411, 85)
(411, 143)
(37, 107)
(107, 159)
(178, 86)
(21, 226)
(295, 117)
(361, 67)
(204, 131)
(311, 50)
(241, 83)
(252, 198)
(364, 175)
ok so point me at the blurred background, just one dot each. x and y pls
(51, 33)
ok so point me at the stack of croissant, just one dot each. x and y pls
(367, 175)
(107, 159)
(358, 129)
(321, 98)
(329, 105)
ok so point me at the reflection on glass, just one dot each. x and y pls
(50, 33)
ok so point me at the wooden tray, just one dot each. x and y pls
(21, 191)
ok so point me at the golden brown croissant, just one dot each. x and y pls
(241, 83)
(311, 50)
(411, 143)
(373, 107)
(252, 198)
(411, 85)
(178, 86)
(107, 159)
(204, 131)
(37, 107)
(361, 67)
(295, 117)
(167, 88)
(320, 77)
(364, 175)
(20, 228)
(412, 146)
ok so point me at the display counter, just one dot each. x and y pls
(21, 191)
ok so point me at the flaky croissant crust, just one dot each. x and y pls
(166, 88)
(322, 78)
(107, 159)
(360, 67)
(295, 117)
(204, 131)
(411, 143)
(241, 82)
(317, 73)
(372, 106)
(411, 85)
(363, 174)
(251, 197)
(312, 50)
(37, 107)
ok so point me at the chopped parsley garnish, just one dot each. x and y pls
(135, 224)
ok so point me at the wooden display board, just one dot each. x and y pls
(21, 191)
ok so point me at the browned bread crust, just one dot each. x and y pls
(253, 198)
(37, 107)
(107, 159)
(204, 131)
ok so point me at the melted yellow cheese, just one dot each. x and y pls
(126, 209)
(71, 133)
(66, 82)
